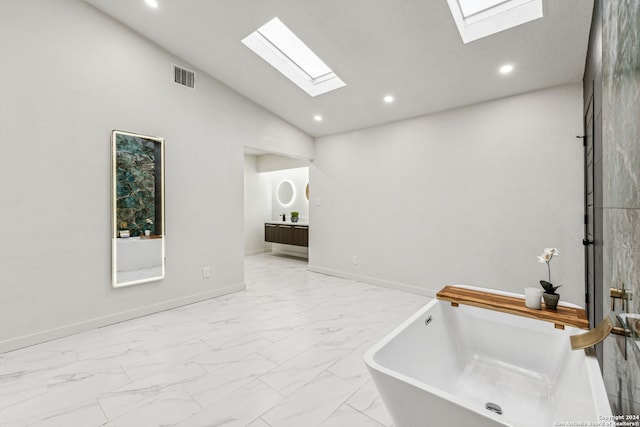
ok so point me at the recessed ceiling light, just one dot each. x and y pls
(283, 50)
(506, 69)
(317, 118)
(388, 99)
(152, 3)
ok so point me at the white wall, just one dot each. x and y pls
(68, 76)
(299, 178)
(468, 196)
(257, 206)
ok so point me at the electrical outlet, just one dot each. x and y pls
(206, 272)
(354, 260)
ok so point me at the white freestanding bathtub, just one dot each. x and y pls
(445, 365)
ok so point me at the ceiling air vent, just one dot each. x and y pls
(184, 77)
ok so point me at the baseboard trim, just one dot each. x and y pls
(75, 328)
(374, 281)
(256, 252)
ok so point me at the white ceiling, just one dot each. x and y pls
(408, 48)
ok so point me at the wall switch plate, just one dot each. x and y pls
(354, 260)
(206, 272)
(317, 201)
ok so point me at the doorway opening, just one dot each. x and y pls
(275, 186)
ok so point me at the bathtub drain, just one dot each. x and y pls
(494, 408)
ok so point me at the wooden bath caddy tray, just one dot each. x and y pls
(563, 316)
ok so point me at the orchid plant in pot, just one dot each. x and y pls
(550, 296)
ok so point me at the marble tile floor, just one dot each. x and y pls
(285, 352)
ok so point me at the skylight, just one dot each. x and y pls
(476, 19)
(280, 47)
(471, 7)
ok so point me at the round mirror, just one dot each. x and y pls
(306, 191)
(285, 192)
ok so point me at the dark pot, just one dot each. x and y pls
(294, 219)
(551, 301)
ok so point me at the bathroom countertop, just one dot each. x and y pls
(301, 222)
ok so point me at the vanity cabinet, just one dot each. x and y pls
(300, 235)
(287, 234)
(270, 233)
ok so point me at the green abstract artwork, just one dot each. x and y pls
(137, 184)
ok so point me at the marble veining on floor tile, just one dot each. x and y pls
(288, 351)
(312, 404)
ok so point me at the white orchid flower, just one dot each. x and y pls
(545, 257)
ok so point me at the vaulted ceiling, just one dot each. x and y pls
(410, 49)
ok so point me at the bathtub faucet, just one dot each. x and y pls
(596, 335)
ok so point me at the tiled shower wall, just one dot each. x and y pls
(621, 190)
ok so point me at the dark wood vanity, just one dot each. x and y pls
(286, 233)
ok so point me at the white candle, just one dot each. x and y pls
(533, 297)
